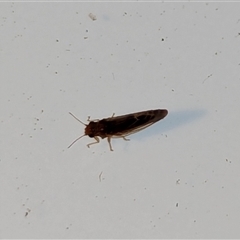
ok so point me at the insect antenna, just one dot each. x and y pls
(76, 140)
(78, 119)
(78, 137)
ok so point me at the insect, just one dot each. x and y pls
(121, 126)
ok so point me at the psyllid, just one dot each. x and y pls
(120, 126)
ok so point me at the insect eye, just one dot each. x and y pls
(91, 135)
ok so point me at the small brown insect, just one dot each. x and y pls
(121, 126)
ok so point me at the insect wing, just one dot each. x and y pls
(132, 123)
(131, 131)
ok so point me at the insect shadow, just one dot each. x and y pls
(174, 120)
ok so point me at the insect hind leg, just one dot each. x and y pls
(126, 139)
(109, 142)
(97, 141)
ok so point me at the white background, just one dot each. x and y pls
(179, 178)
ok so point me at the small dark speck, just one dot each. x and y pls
(176, 204)
(100, 177)
(162, 39)
(57, 40)
(56, 72)
(27, 212)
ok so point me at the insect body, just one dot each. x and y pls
(121, 126)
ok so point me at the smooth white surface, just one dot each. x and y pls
(180, 178)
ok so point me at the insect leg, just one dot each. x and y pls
(109, 142)
(97, 141)
(126, 139)
(90, 120)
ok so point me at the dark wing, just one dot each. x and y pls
(131, 123)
